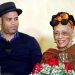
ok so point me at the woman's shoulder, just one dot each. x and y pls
(71, 52)
(50, 53)
(52, 50)
(73, 46)
(71, 49)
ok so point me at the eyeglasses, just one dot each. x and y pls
(62, 33)
(56, 22)
(63, 22)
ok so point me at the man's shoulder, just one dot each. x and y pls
(24, 35)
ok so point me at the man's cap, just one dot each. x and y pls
(8, 7)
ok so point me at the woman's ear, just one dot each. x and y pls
(73, 37)
(73, 34)
(0, 21)
(53, 34)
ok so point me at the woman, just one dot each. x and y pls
(63, 30)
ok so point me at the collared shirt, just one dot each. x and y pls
(15, 36)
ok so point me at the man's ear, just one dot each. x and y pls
(0, 21)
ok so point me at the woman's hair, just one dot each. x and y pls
(64, 18)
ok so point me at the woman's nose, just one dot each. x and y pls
(60, 35)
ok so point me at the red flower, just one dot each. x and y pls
(53, 61)
(37, 68)
(67, 66)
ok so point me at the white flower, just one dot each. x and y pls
(53, 67)
(54, 70)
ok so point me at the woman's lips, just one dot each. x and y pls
(61, 41)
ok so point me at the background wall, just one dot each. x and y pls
(36, 16)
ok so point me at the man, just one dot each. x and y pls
(18, 52)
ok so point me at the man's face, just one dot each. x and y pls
(10, 22)
(62, 35)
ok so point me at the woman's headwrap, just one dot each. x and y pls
(64, 18)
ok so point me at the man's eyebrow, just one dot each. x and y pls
(11, 17)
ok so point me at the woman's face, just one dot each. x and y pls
(63, 35)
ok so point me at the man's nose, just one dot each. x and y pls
(13, 22)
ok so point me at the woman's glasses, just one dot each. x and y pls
(64, 33)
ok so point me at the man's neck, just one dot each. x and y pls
(7, 36)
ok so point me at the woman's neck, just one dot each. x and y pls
(65, 48)
(62, 49)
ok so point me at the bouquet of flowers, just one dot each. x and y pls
(52, 67)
